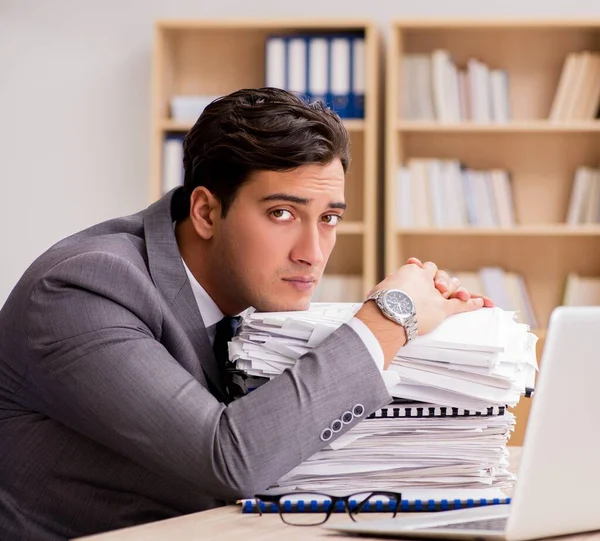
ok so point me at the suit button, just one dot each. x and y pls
(326, 434)
(336, 426)
(347, 417)
(358, 410)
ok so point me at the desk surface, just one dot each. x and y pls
(228, 523)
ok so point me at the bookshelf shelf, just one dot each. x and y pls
(540, 126)
(237, 60)
(354, 124)
(170, 125)
(540, 155)
(350, 228)
(558, 230)
(480, 24)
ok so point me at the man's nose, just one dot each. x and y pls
(307, 249)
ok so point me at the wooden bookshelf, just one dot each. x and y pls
(558, 230)
(220, 56)
(540, 155)
(530, 126)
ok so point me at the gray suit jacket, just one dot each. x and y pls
(106, 418)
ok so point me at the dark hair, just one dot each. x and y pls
(253, 130)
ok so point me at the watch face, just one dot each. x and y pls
(399, 303)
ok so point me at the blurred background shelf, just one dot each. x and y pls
(531, 126)
(540, 156)
(170, 125)
(555, 230)
(350, 228)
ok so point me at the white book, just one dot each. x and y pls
(172, 175)
(499, 96)
(318, 65)
(436, 198)
(597, 180)
(297, 58)
(495, 287)
(528, 307)
(479, 85)
(468, 182)
(558, 109)
(275, 62)
(593, 201)
(492, 208)
(452, 91)
(575, 87)
(463, 98)
(506, 200)
(458, 188)
(582, 87)
(359, 69)
(340, 72)
(593, 103)
(421, 88)
(404, 208)
(420, 201)
(579, 195)
(582, 291)
(481, 196)
(439, 69)
(408, 94)
(484, 93)
(449, 195)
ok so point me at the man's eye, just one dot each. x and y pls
(332, 219)
(281, 215)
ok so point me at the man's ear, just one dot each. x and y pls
(204, 209)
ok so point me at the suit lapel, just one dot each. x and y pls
(169, 276)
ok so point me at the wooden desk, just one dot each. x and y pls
(228, 523)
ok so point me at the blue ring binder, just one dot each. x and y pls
(380, 506)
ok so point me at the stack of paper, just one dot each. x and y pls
(472, 360)
(424, 452)
(449, 426)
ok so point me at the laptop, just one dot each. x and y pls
(558, 487)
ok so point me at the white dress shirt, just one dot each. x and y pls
(211, 315)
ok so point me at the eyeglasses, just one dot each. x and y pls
(314, 508)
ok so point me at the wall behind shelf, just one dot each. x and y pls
(75, 101)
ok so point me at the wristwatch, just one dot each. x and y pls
(396, 305)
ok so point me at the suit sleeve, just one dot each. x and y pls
(98, 367)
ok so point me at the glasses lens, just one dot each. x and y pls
(304, 509)
(372, 506)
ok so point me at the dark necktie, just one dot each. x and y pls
(226, 329)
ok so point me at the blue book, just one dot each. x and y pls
(358, 77)
(318, 69)
(340, 75)
(324, 67)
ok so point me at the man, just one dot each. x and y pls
(113, 408)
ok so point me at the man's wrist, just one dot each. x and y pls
(390, 335)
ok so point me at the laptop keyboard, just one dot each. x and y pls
(491, 524)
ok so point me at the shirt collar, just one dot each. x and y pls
(208, 308)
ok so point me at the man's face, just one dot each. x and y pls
(275, 241)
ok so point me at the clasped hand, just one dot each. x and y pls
(435, 293)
